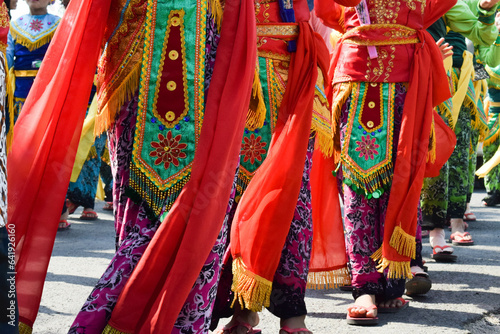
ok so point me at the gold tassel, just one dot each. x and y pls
(31, 45)
(106, 113)
(250, 290)
(328, 279)
(257, 112)
(396, 269)
(110, 330)
(24, 329)
(403, 242)
(431, 154)
(217, 12)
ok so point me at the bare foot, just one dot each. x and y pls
(391, 303)
(364, 307)
(288, 325)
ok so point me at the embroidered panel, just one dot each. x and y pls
(171, 101)
(366, 153)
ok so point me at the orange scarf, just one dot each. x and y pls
(46, 138)
(264, 214)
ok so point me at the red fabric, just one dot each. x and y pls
(427, 88)
(46, 137)
(262, 219)
(168, 269)
(328, 250)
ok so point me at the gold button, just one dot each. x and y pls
(170, 116)
(171, 85)
(371, 104)
(173, 55)
(370, 124)
(176, 21)
(373, 84)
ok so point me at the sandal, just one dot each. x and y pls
(108, 206)
(71, 206)
(88, 215)
(294, 330)
(229, 330)
(63, 225)
(469, 217)
(362, 321)
(443, 254)
(460, 239)
(396, 309)
(420, 284)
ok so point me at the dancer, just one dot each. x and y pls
(383, 137)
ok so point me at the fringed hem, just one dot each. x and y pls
(256, 115)
(372, 185)
(396, 269)
(328, 279)
(106, 113)
(217, 12)
(110, 330)
(31, 45)
(431, 154)
(250, 290)
(492, 138)
(24, 329)
(341, 93)
(403, 242)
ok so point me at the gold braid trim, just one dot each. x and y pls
(106, 113)
(250, 290)
(110, 330)
(328, 279)
(257, 112)
(397, 270)
(30, 45)
(24, 329)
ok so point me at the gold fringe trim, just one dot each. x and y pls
(328, 279)
(369, 183)
(403, 242)
(24, 329)
(250, 290)
(396, 270)
(30, 45)
(341, 92)
(493, 138)
(11, 87)
(110, 330)
(431, 154)
(106, 113)
(257, 112)
(216, 11)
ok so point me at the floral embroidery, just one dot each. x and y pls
(168, 150)
(36, 25)
(253, 149)
(367, 147)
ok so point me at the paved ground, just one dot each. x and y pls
(465, 296)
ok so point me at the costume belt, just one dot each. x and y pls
(25, 73)
(381, 34)
(286, 31)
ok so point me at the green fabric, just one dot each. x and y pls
(164, 147)
(472, 162)
(492, 179)
(367, 153)
(459, 166)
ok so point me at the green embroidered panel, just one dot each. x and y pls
(366, 153)
(171, 101)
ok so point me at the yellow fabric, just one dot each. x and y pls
(489, 165)
(25, 73)
(86, 140)
(480, 88)
(466, 73)
(100, 190)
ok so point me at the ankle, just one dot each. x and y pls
(436, 237)
(457, 225)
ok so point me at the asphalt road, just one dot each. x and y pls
(465, 296)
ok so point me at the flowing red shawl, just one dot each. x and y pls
(163, 278)
(264, 214)
(46, 137)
